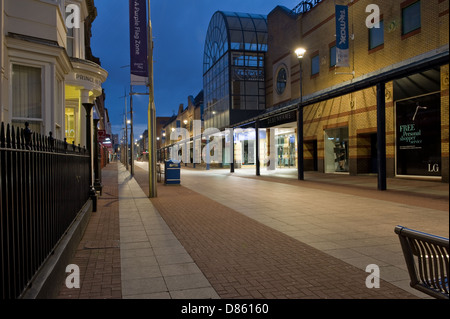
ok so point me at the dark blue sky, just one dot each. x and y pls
(179, 31)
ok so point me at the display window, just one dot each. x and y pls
(286, 148)
(418, 136)
(336, 150)
(70, 125)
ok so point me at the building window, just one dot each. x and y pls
(281, 81)
(70, 42)
(376, 36)
(315, 65)
(411, 19)
(27, 97)
(332, 56)
(71, 125)
(72, 34)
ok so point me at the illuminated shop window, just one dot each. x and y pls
(70, 125)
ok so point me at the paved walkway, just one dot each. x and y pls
(223, 236)
(129, 252)
(98, 254)
(328, 218)
(154, 263)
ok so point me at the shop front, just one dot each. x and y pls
(83, 85)
(286, 145)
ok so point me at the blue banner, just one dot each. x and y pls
(342, 38)
(138, 42)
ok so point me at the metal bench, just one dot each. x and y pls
(426, 257)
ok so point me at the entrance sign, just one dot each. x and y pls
(138, 43)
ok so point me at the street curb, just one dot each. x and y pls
(47, 282)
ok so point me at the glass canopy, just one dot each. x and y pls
(234, 31)
(233, 68)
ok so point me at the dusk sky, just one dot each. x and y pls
(179, 31)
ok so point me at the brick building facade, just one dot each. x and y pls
(345, 127)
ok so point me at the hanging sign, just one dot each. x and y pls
(342, 38)
(138, 42)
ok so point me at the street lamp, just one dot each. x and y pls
(300, 52)
(152, 158)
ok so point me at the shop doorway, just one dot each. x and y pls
(311, 156)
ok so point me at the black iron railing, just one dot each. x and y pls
(44, 183)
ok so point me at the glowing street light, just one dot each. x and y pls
(300, 52)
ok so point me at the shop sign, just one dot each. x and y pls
(87, 78)
(342, 38)
(284, 118)
(419, 136)
(248, 74)
(101, 136)
(410, 137)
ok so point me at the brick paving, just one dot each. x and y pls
(98, 254)
(436, 195)
(243, 258)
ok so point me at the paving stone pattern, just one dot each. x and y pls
(98, 254)
(243, 258)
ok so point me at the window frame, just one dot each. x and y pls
(408, 5)
(279, 90)
(380, 45)
(35, 120)
(313, 59)
(331, 56)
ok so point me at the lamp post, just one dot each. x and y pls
(97, 169)
(126, 131)
(131, 132)
(92, 193)
(129, 143)
(151, 113)
(300, 52)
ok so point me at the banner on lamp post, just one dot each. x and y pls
(342, 38)
(138, 43)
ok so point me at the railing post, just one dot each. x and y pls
(51, 142)
(27, 135)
